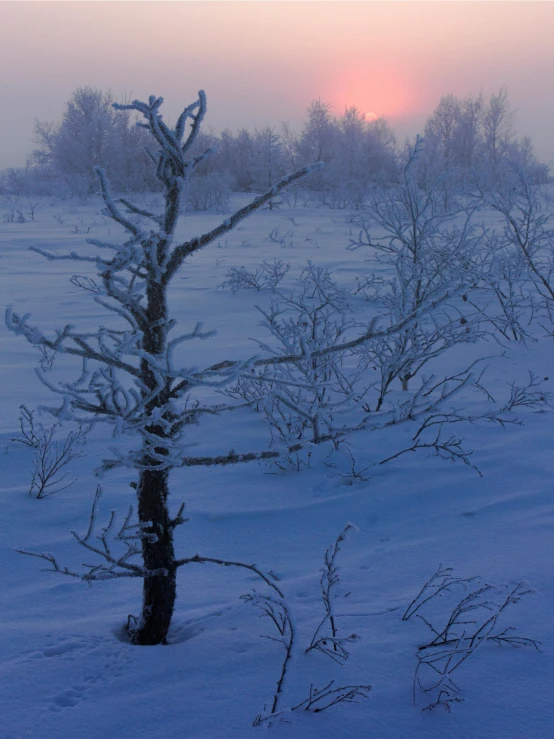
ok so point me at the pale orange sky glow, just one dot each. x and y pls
(264, 62)
(373, 88)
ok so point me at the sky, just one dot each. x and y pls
(263, 61)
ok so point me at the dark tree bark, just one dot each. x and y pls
(159, 590)
(156, 529)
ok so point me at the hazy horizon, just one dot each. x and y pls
(264, 62)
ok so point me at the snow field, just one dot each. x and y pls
(65, 670)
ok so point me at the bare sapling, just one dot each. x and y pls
(52, 453)
(326, 637)
(129, 376)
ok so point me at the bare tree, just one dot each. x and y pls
(528, 229)
(128, 375)
(318, 136)
(268, 156)
(441, 130)
(498, 126)
(410, 229)
(92, 134)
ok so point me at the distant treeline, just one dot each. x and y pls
(472, 138)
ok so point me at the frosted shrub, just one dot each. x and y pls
(409, 229)
(268, 274)
(301, 399)
(52, 453)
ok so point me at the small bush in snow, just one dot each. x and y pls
(51, 454)
(268, 274)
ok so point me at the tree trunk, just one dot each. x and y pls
(159, 591)
(158, 553)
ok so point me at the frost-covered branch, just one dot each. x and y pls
(332, 645)
(112, 565)
(277, 611)
(197, 559)
(470, 623)
(181, 252)
(529, 228)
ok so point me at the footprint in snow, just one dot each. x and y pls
(68, 698)
(103, 662)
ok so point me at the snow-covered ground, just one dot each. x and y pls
(65, 669)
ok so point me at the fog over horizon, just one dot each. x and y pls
(262, 63)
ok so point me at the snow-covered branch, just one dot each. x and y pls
(182, 251)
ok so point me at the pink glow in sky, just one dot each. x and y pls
(262, 62)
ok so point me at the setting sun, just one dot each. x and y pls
(389, 59)
(377, 92)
